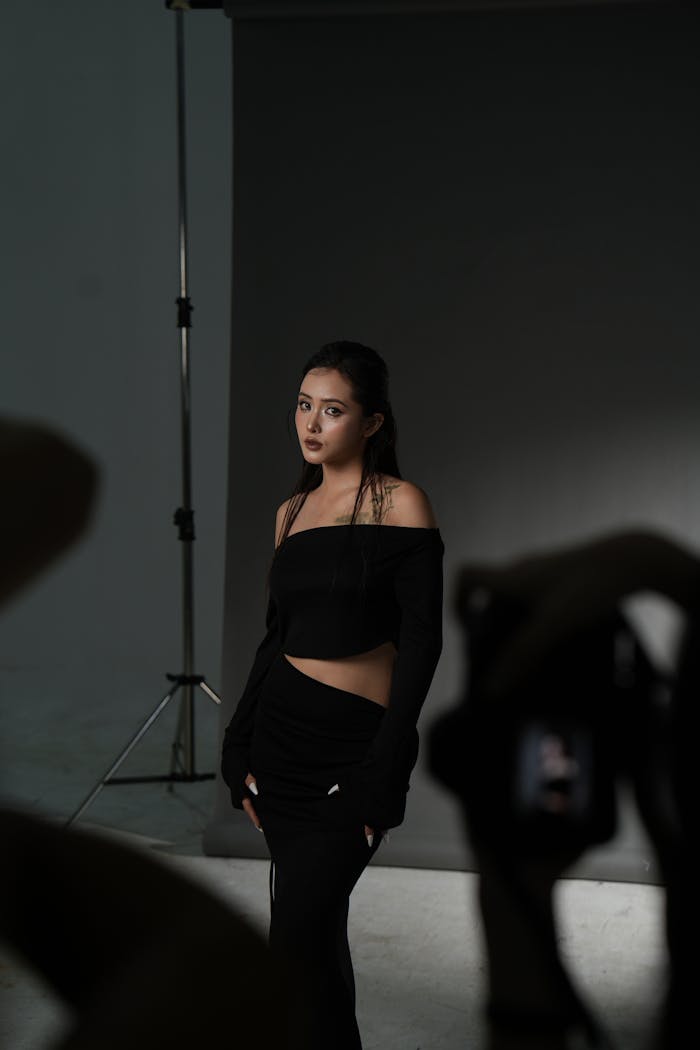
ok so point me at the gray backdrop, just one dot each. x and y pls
(505, 205)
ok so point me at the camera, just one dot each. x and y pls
(536, 770)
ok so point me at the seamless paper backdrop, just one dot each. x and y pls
(505, 206)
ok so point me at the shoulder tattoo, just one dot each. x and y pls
(381, 505)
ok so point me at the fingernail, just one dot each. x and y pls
(336, 787)
(259, 827)
(253, 787)
(370, 840)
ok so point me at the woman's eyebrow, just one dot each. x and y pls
(302, 394)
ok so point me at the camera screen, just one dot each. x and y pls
(553, 771)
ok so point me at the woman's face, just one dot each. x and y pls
(330, 425)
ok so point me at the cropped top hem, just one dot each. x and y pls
(346, 653)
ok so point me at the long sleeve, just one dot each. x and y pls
(237, 737)
(385, 773)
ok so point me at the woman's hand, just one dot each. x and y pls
(571, 589)
(369, 832)
(248, 805)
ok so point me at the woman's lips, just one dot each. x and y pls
(313, 445)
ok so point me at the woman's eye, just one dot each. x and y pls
(331, 410)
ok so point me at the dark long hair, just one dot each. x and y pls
(368, 375)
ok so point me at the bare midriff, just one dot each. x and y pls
(366, 674)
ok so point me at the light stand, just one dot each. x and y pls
(182, 766)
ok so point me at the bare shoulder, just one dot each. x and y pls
(407, 504)
(279, 519)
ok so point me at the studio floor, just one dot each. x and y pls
(415, 933)
(417, 953)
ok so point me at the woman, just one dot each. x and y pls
(323, 740)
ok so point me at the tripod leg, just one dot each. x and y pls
(182, 727)
(210, 692)
(127, 750)
(183, 739)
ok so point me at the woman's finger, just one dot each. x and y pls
(369, 835)
(248, 807)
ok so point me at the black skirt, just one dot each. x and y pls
(308, 737)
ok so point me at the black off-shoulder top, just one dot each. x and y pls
(337, 591)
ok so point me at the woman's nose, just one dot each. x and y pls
(312, 423)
